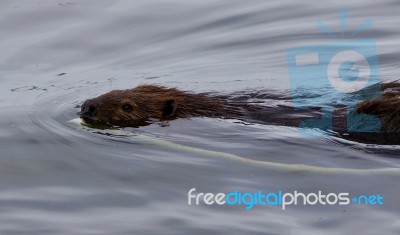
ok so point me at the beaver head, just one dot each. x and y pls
(134, 107)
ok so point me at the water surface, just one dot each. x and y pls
(58, 177)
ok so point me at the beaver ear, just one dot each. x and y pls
(169, 108)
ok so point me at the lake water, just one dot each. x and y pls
(58, 177)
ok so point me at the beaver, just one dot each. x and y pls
(147, 104)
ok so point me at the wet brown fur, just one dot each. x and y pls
(153, 103)
(387, 107)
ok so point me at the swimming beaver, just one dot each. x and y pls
(148, 104)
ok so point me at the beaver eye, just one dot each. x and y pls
(127, 108)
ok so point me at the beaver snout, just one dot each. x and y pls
(88, 110)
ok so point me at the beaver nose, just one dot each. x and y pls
(88, 109)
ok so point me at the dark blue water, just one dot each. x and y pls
(58, 177)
